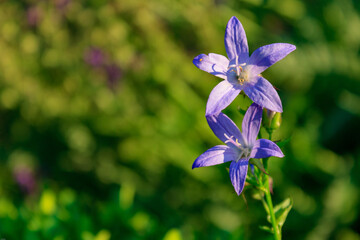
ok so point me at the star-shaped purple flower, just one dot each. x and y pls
(239, 147)
(241, 72)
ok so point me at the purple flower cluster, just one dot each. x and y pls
(97, 59)
(25, 178)
(33, 16)
(240, 73)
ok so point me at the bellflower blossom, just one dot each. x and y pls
(95, 57)
(241, 72)
(240, 147)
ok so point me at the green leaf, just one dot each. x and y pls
(281, 211)
(267, 229)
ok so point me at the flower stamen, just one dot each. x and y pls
(240, 71)
(244, 151)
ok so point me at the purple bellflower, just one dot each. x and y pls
(240, 147)
(95, 57)
(241, 72)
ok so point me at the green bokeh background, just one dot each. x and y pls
(112, 159)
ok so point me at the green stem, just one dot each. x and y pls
(270, 134)
(277, 235)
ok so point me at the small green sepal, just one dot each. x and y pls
(256, 162)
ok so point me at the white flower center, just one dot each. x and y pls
(242, 149)
(237, 72)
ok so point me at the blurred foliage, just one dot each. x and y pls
(102, 116)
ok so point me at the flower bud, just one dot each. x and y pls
(266, 120)
(276, 121)
(271, 120)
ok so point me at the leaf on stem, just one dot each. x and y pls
(281, 211)
(257, 195)
(267, 229)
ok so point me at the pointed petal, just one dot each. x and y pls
(235, 40)
(264, 148)
(221, 124)
(238, 172)
(214, 63)
(215, 155)
(221, 97)
(263, 94)
(267, 55)
(251, 123)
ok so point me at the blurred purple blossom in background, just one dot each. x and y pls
(25, 178)
(33, 16)
(113, 73)
(61, 4)
(94, 57)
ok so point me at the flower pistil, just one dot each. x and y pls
(241, 75)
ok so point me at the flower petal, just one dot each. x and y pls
(214, 63)
(220, 97)
(235, 40)
(267, 55)
(251, 123)
(215, 155)
(264, 148)
(221, 125)
(263, 94)
(238, 172)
